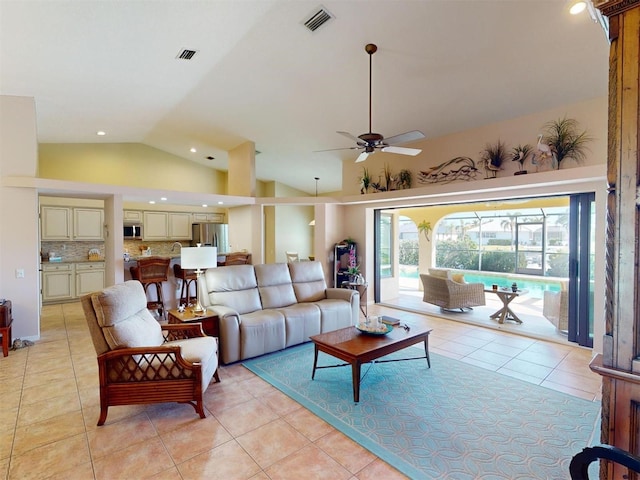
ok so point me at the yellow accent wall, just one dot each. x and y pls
(128, 164)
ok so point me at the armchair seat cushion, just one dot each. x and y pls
(203, 350)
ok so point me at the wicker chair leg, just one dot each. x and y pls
(103, 413)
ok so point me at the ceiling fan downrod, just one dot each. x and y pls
(370, 48)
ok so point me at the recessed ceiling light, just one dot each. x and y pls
(101, 133)
(577, 8)
(193, 150)
(164, 199)
(220, 203)
(205, 205)
(152, 202)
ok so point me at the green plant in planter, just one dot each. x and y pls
(492, 157)
(365, 181)
(388, 178)
(564, 140)
(405, 179)
(520, 154)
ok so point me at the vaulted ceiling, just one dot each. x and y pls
(260, 74)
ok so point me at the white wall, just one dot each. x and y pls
(19, 213)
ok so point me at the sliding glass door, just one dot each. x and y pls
(581, 268)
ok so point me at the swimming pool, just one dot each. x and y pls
(534, 284)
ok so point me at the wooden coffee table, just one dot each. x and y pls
(352, 346)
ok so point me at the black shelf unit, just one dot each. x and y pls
(341, 254)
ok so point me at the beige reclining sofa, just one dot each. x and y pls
(268, 307)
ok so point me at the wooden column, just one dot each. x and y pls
(619, 364)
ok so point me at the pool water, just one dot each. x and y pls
(534, 284)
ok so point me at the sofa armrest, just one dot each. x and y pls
(345, 294)
(229, 321)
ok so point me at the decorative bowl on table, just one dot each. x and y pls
(374, 328)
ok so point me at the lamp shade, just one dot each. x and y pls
(194, 258)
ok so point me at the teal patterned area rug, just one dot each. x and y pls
(452, 421)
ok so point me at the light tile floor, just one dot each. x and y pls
(50, 405)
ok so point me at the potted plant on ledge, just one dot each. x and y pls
(565, 141)
(492, 157)
(520, 154)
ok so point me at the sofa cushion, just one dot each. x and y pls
(121, 312)
(261, 332)
(234, 286)
(301, 321)
(440, 273)
(274, 285)
(308, 281)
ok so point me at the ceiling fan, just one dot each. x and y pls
(369, 142)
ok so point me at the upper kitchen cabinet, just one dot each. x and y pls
(179, 226)
(166, 226)
(208, 217)
(156, 226)
(55, 223)
(69, 223)
(132, 216)
(88, 224)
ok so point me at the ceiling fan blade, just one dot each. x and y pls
(362, 157)
(404, 137)
(349, 136)
(334, 149)
(402, 150)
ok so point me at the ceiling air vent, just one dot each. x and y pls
(186, 54)
(319, 18)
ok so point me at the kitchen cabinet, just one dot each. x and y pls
(166, 226)
(132, 217)
(179, 226)
(208, 217)
(55, 223)
(67, 281)
(58, 282)
(88, 224)
(71, 223)
(89, 278)
(156, 226)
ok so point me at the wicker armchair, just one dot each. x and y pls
(450, 295)
(140, 361)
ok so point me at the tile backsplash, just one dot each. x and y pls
(70, 251)
(79, 251)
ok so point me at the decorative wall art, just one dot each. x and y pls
(458, 168)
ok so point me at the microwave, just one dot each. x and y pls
(132, 231)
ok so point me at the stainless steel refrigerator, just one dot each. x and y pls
(212, 234)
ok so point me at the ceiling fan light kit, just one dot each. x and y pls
(370, 141)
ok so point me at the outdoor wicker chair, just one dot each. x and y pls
(451, 295)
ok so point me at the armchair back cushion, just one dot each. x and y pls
(234, 286)
(308, 281)
(276, 290)
(122, 315)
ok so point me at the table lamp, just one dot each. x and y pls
(198, 258)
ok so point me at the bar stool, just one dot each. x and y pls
(187, 277)
(152, 271)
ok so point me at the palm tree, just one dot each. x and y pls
(509, 223)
